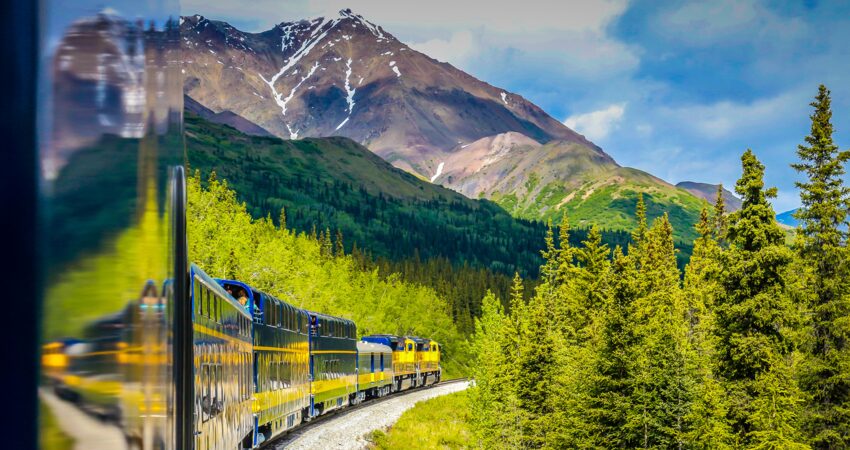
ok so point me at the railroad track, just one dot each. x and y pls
(281, 441)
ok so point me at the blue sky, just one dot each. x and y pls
(679, 89)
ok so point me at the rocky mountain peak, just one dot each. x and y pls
(345, 75)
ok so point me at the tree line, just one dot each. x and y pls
(616, 349)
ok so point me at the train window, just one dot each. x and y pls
(291, 317)
(197, 297)
(216, 394)
(277, 311)
(249, 380)
(267, 317)
(409, 347)
(201, 300)
(256, 366)
(205, 400)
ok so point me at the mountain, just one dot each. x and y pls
(349, 77)
(335, 184)
(226, 117)
(536, 180)
(97, 86)
(787, 218)
(708, 192)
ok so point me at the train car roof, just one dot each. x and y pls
(382, 338)
(252, 290)
(329, 317)
(214, 285)
(372, 347)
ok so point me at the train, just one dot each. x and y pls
(260, 367)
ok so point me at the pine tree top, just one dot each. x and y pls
(754, 226)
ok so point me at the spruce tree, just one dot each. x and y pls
(611, 386)
(492, 400)
(661, 393)
(720, 219)
(821, 243)
(707, 422)
(756, 319)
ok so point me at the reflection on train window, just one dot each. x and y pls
(205, 399)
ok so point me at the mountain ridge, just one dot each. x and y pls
(347, 76)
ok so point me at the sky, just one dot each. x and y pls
(676, 88)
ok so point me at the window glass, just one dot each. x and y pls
(205, 400)
(197, 297)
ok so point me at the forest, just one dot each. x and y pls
(312, 272)
(617, 348)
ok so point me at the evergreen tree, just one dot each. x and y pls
(495, 413)
(821, 244)
(661, 387)
(708, 425)
(755, 319)
(611, 388)
(640, 215)
(720, 219)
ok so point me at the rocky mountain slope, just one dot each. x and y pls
(708, 192)
(349, 77)
(535, 180)
(345, 76)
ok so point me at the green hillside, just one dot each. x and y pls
(336, 184)
(607, 199)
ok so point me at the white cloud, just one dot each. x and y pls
(569, 39)
(723, 119)
(456, 49)
(728, 22)
(596, 125)
(514, 17)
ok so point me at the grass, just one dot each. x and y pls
(50, 436)
(438, 423)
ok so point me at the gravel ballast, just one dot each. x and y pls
(348, 430)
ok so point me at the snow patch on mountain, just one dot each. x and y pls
(289, 97)
(292, 134)
(348, 89)
(375, 29)
(505, 97)
(341, 124)
(316, 36)
(395, 69)
(439, 171)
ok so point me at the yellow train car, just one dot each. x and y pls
(405, 373)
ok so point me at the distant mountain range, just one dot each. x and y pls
(787, 218)
(708, 192)
(349, 77)
(346, 76)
